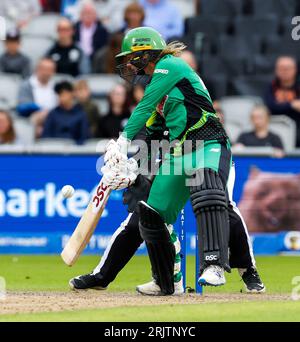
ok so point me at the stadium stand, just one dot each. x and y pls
(42, 26)
(24, 130)
(233, 130)
(237, 109)
(210, 26)
(9, 86)
(277, 7)
(254, 85)
(35, 47)
(63, 77)
(236, 44)
(101, 85)
(265, 27)
(227, 8)
(274, 46)
(286, 129)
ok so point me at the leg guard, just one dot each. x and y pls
(160, 248)
(210, 206)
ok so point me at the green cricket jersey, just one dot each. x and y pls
(178, 100)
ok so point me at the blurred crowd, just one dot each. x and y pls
(88, 36)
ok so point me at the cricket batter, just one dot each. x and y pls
(177, 99)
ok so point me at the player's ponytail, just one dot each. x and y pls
(174, 48)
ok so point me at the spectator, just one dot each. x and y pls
(283, 95)
(111, 13)
(261, 136)
(68, 57)
(7, 131)
(36, 95)
(68, 119)
(134, 16)
(90, 34)
(163, 16)
(20, 12)
(13, 61)
(83, 96)
(136, 95)
(113, 123)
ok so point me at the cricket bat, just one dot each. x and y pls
(87, 225)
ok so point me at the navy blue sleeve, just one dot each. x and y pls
(49, 126)
(274, 106)
(84, 132)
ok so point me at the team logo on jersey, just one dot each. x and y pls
(161, 106)
(161, 71)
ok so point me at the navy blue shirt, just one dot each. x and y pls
(67, 124)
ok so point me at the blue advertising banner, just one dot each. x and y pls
(35, 218)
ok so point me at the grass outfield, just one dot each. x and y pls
(48, 273)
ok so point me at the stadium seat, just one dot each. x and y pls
(228, 8)
(9, 87)
(208, 25)
(217, 85)
(62, 77)
(216, 64)
(275, 46)
(35, 47)
(264, 27)
(42, 26)
(101, 84)
(24, 130)
(2, 47)
(262, 64)
(237, 109)
(238, 47)
(285, 127)
(4, 104)
(233, 130)
(277, 7)
(251, 85)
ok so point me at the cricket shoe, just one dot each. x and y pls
(212, 276)
(252, 280)
(152, 289)
(85, 282)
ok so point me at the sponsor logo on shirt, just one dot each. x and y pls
(161, 71)
(74, 55)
